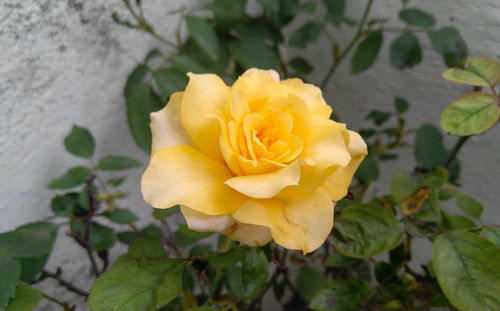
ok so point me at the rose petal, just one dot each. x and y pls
(205, 94)
(311, 95)
(338, 182)
(166, 125)
(250, 235)
(265, 186)
(183, 175)
(257, 84)
(294, 224)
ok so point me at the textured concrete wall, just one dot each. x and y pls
(65, 63)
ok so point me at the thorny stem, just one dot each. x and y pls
(68, 285)
(458, 145)
(353, 41)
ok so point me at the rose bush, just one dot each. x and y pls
(256, 161)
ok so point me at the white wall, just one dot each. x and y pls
(65, 63)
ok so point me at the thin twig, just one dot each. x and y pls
(62, 304)
(170, 239)
(458, 145)
(69, 286)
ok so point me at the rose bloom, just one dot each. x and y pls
(256, 161)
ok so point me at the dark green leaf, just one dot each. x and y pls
(336, 9)
(193, 234)
(367, 230)
(401, 105)
(141, 101)
(405, 51)
(116, 182)
(339, 260)
(308, 281)
(473, 113)
(468, 270)
(80, 142)
(254, 272)
(368, 170)
(417, 17)
(378, 117)
(101, 237)
(270, 4)
(146, 247)
(189, 64)
(429, 149)
(457, 222)
(300, 65)
(469, 205)
(366, 52)
(139, 285)
(341, 295)
(72, 178)
(233, 280)
(253, 53)
(183, 240)
(152, 54)
(26, 298)
(135, 79)
(289, 7)
(162, 214)
(430, 210)
(114, 163)
(171, 80)
(402, 186)
(227, 10)
(127, 237)
(307, 33)
(203, 35)
(201, 251)
(307, 7)
(492, 234)
(28, 242)
(64, 205)
(448, 42)
(120, 216)
(10, 272)
(229, 259)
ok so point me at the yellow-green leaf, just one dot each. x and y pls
(415, 201)
(472, 114)
(479, 71)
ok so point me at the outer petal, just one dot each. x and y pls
(265, 186)
(166, 125)
(251, 235)
(205, 94)
(311, 95)
(183, 175)
(338, 182)
(294, 224)
(257, 84)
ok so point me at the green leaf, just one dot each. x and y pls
(233, 280)
(469, 205)
(127, 237)
(366, 52)
(171, 80)
(188, 64)
(446, 193)
(139, 285)
(227, 10)
(430, 211)
(253, 53)
(162, 214)
(74, 177)
(448, 42)
(414, 202)
(456, 222)
(308, 281)
(335, 7)
(10, 272)
(116, 163)
(146, 247)
(301, 65)
(429, 149)
(402, 186)
(478, 71)
(367, 170)
(116, 182)
(338, 260)
(472, 114)
(254, 272)
(229, 259)
(417, 17)
(64, 205)
(101, 237)
(27, 242)
(307, 33)
(32, 265)
(120, 216)
(289, 7)
(405, 51)
(492, 234)
(203, 35)
(341, 295)
(401, 105)
(468, 270)
(135, 79)
(367, 230)
(26, 298)
(378, 117)
(80, 142)
(193, 234)
(307, 7)
(270, 4)
(141, 101)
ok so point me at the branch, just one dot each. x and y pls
(458, 145)
(69, 286)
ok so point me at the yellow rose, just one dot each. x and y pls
(256, 161)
